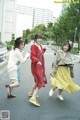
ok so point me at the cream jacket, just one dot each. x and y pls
(61, 58)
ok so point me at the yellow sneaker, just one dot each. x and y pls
(35, 102)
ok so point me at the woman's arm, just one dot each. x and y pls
(34, 54)
(63, 58)
(21, 58)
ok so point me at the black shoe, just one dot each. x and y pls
(11, 96)
(7, 86)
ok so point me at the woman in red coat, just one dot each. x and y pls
(37, 68)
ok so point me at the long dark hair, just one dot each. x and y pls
(66, 43)
(17, 42)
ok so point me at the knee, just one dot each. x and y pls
(17, 84)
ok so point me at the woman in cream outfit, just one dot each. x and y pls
(15, 58)
(62, 73)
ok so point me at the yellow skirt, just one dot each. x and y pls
(62, 80)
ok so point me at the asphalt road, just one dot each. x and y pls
(51, 108)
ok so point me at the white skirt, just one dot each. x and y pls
(14, 73)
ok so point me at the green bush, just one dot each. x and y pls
(9, 45)
(74, 50)
(1, 43)
(26, 41)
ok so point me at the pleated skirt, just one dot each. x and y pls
(62, 80)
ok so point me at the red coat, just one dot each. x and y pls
(38, 70)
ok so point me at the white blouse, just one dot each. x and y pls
(16, 57)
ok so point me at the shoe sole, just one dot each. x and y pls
(60, 99)
(34, 103)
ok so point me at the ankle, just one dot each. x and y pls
(60, 91)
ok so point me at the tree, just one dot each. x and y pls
(12, 39)
(50, 33)
(24, 35)
(67, 22)
(40, 29)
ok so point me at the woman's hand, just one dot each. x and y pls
(39, 63)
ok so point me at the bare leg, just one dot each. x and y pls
(60, 91)
(59, 94)
(35, 93)
(33, 99)
(10, 88)
(31, 92)
(15, 84)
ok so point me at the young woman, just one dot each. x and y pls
(61, 72)
(15, 58)
(37, 68)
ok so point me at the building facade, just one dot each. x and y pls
(24, 17)
(42, 16)
(7, 19)
(29, 17)
(16, 18)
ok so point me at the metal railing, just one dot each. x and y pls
(3, 52)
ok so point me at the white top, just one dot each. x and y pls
(15, 57)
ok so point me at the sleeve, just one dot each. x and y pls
(71, 70)
(34, 55)
(43, 49)
(54, 67)
(27, 55)
(7, 56)
(53, 71)
(61, 58)
(21, 58)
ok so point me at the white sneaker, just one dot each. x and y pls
(60, 97)
(51, 92)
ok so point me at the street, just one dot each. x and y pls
(51, 108)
